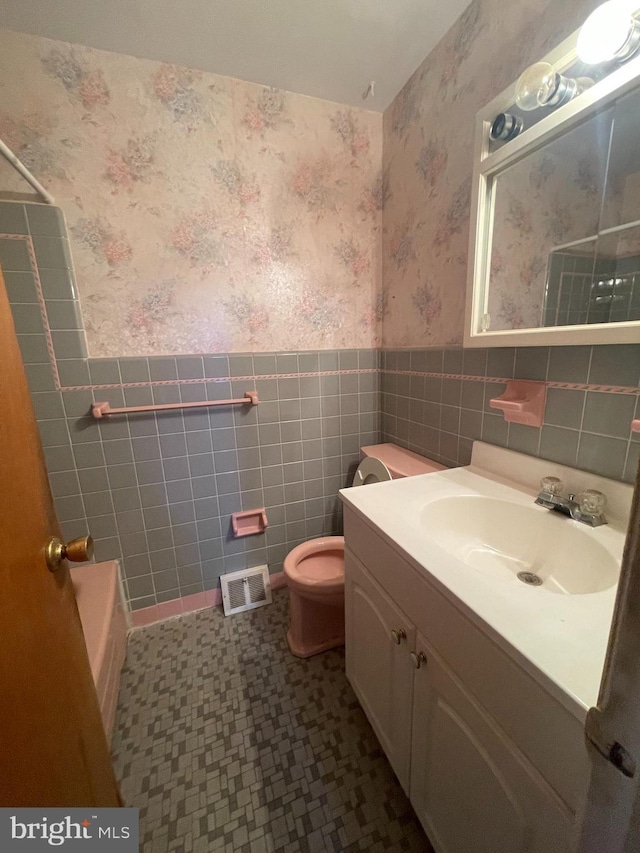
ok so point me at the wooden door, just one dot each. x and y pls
(379, 668)
(472, 789)
(53, 750)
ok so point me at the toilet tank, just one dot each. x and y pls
(401, 462)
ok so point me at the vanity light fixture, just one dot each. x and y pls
(610, 33)
(505, 126)
(540, 85)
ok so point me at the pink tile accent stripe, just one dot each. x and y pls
(189, 604)
(210, 380)
(41, 303)
(572, 386)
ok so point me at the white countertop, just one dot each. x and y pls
(561, 640)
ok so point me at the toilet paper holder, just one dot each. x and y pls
(249, 522)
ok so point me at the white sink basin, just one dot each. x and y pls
(513, 542)
(472, 530)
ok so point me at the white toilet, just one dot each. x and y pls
(315, 569)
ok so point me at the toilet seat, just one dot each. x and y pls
(315, 569)
(371, 470)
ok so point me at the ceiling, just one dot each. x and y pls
(325, 48)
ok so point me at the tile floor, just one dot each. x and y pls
(226, 742)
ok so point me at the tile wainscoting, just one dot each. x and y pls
(436, 402)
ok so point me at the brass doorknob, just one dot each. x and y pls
(77, 551)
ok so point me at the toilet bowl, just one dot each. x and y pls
(315, 569)
(315, 576)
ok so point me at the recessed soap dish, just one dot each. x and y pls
(249, 522)
(522, 402)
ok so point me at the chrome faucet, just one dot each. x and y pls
(587, 509)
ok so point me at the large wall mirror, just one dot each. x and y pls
(555, 241)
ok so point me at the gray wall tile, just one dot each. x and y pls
(64, 314)
(608, 414)
(564, 407)
(39, 377)
(44, 220)
(603, 455)
(216, 366)
(531, 362)
(104, 371)
(417, 419)
(190, 367)
(13, 218)
(14, 256)
(52, 253)
(134, 369)
(20, 286)
(33, 349)
(69, 344)
(27, 319)
(74, 372)
(616, 365)
(57, 284)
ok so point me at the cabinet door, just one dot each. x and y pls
(379, 669)
(472, 790)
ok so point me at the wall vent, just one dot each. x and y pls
(245, 590)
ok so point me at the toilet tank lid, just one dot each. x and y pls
(401, 462)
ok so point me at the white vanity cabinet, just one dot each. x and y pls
(490, 761)
(470, 786)
(377, 640)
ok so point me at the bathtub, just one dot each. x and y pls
(104, 622)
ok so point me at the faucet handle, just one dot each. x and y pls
(592, 502)
(552, 485)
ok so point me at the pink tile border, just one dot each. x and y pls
(145, 616)
(217, 379)
(188, 604)
(41, 301)
(572, 386)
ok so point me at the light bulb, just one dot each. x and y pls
(505, 127)
(534, 85)
(540, 85)
(610, 32)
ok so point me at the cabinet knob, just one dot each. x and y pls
(418, 659)
(398, 635)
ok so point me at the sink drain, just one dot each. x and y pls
(531, 578)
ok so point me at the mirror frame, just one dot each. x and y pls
(487, 164)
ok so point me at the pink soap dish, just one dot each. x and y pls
(522, 402)
(249, 522)
(635, 426)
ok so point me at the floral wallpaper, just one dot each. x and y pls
(205, 213)
(428, 160)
